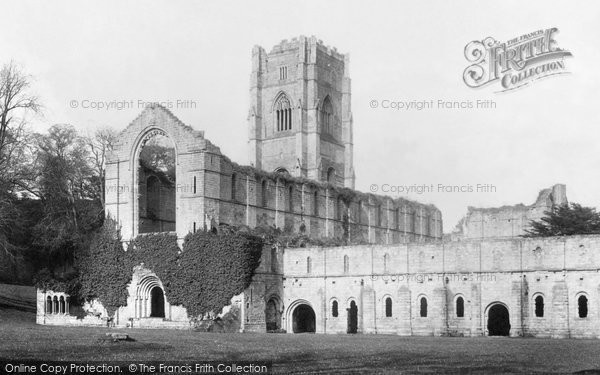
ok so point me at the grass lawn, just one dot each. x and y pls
(21, 338)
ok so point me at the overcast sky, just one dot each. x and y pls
(399, 50)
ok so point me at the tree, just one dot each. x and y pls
(71, 209)
(99, 145)
(566, 220)
(16, 103)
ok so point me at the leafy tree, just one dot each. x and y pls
(566, 220)
(16, 103)
(71, 209)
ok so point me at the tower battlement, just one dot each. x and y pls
(300, 118)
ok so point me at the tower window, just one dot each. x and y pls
(346, 264)
(334, 309)
(316, 203)
(283, 72)
(327, 117)
(331, 175)
(308, 265)
(283, 114)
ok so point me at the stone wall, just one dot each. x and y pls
(211, 190)
(508, 221)
(511, 273)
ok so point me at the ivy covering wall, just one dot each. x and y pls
(202, 277)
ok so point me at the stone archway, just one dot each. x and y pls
(157, 303)
(352, 317)
(498, 320)
(303, 319)
(149, 298)
(273, 314)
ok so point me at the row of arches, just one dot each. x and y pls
(57, 305)
(303, 316)
(402, 217)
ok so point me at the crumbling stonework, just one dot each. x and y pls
(508, 221)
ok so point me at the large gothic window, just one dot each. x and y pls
(156, 179)
(283, 114)
(327, 116)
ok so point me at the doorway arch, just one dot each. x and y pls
(157, 303)
(149, 299)
(498, 319)
(273, 314)
(301, 317)
(352, 317)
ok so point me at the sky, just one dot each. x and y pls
(196, 56)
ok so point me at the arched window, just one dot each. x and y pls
(152, 197)
(460, 307)
(423, 307)
(283, 114)
(327, 116)
(397, 217)
(378, 215)
(273, 259)
(263, 192)
(48, 305)
(340, 208)
(346, 264)
(62, 305)
(55, 305)
(386, 263)
(331, 175)
(233, 183)
(291, 199)
(388, 307)
(413, 224)
(539, 306)
(316, 203)
(308, 265)
(359, 215)
(334, 309)
(582, 304)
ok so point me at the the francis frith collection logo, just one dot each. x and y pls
(515, 63)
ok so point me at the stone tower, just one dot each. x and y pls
(300, 119)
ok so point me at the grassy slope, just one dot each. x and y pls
(20, 338)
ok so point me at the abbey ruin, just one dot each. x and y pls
(410, 279)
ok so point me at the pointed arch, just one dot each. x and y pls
(282, 112)
(326, 116)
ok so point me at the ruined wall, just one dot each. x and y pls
(508, 221)
(211, 190)
(483, 273)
